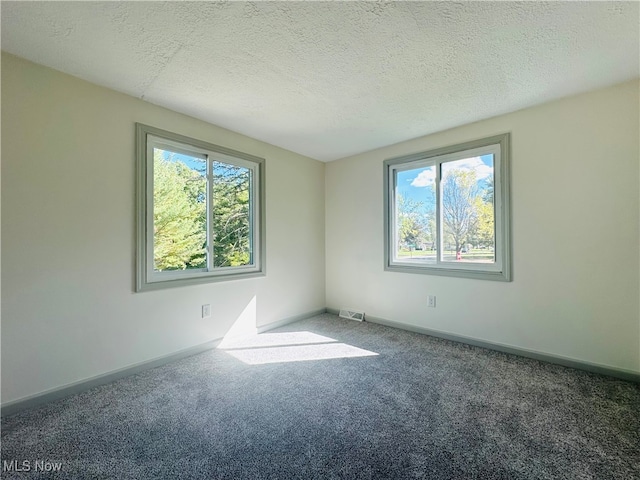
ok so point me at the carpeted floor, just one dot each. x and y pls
(333, 398)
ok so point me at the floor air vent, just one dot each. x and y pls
(352, 315)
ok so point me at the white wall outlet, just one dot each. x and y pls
(431, 301)
(206, 311)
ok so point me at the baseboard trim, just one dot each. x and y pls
(42, 398)
(288, 320)
(623, 374)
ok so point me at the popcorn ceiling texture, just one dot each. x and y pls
(329, 80)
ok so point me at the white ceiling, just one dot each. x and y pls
(329, 80)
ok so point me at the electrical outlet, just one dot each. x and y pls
(431, 301)
(206, 311)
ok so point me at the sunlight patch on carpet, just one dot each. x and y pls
(289, 347)
(274, 340)
(298, 353)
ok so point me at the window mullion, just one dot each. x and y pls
(149, 208)
(209, 226)
(439, 232)
(252, 204)
(393, 182)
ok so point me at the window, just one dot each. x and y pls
(200, 211)
(447, 211)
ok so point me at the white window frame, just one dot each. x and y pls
(500, 270)
(147, 278)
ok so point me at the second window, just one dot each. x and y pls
(447, 211)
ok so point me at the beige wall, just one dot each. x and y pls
(575, 219)
(69, 311)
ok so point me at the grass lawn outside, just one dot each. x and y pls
(475, 255)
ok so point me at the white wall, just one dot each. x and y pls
(575, 219)
(69, 311)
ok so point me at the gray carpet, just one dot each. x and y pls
(410, 406)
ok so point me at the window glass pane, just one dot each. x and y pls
(179, 211)
(468, 210)
(231, 215)
(415, 210)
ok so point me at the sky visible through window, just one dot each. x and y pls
(193, 163)
(417, 184)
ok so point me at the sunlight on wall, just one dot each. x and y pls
(244, 326)
(289, 347)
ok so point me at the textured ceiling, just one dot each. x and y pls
(329, 80)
